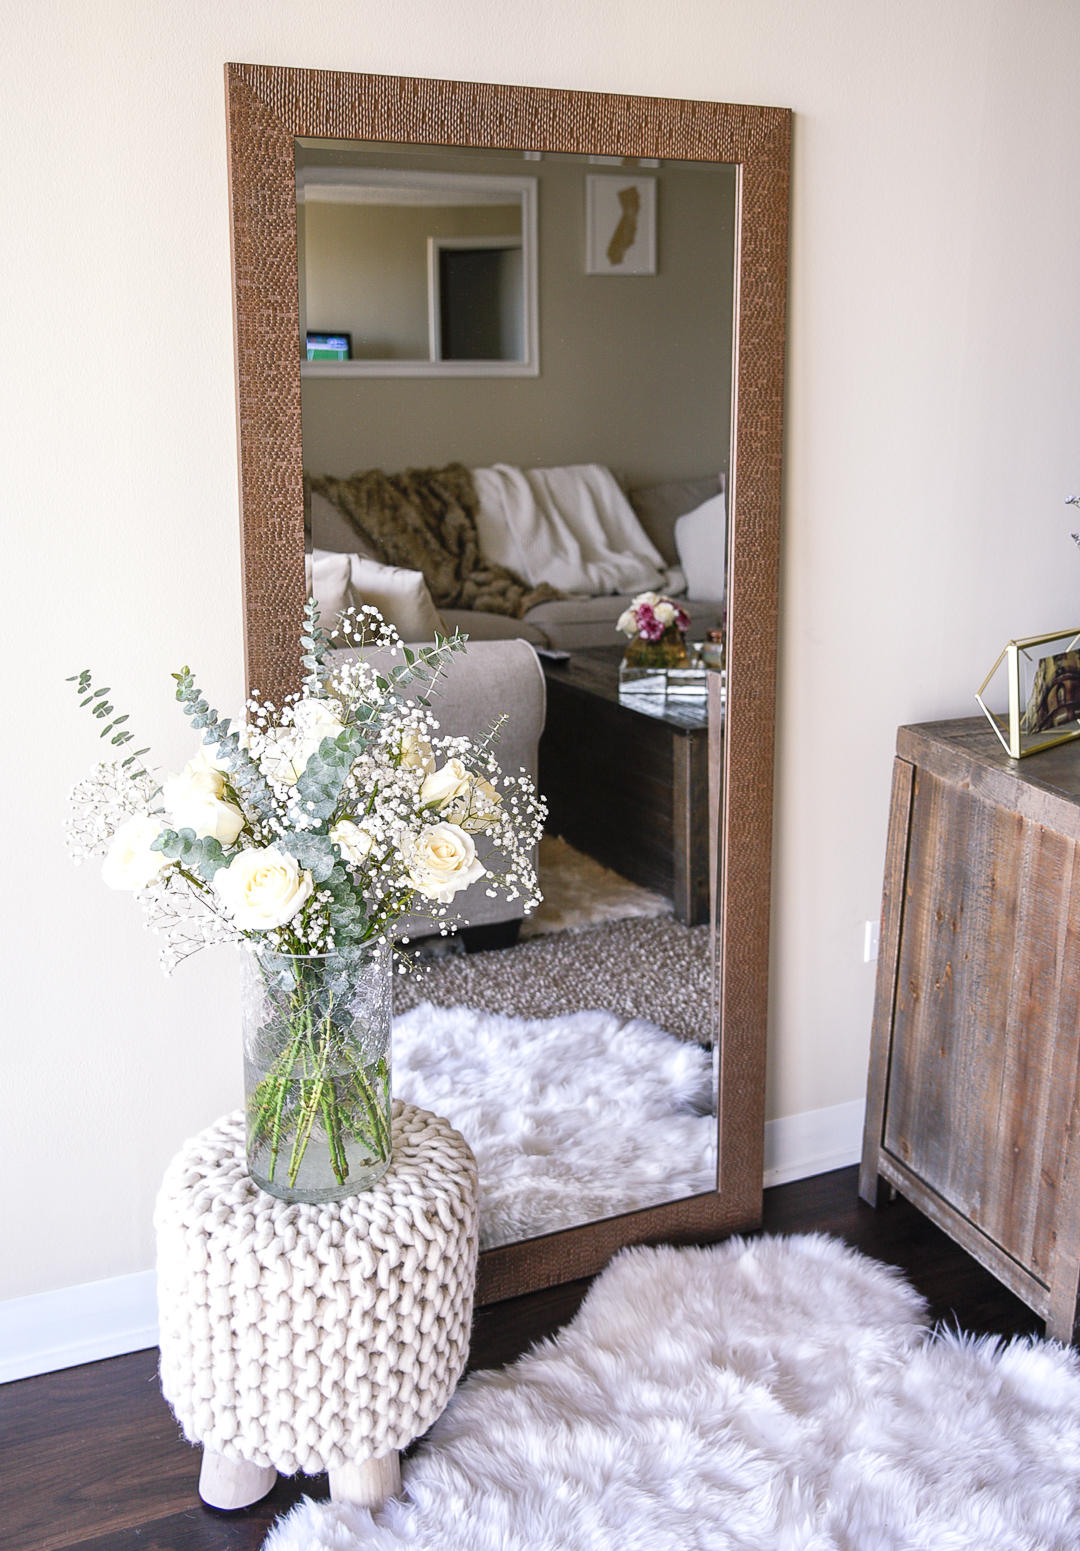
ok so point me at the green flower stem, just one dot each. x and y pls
(311, 1092)
(323, 1098)
(268, 1100)
(310, 1099)
(279, 1105)
(317, 1076)
(331, 1125)
(371, 1103)
(331, 1109)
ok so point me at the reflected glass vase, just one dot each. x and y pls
(317, 1071)
(645, 663)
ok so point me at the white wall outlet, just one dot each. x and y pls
(871, 941)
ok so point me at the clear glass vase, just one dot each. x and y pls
(645, 664)
(317, 1071)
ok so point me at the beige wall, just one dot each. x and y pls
(634, 369)
(932, 414)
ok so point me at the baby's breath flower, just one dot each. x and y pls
(363, 896)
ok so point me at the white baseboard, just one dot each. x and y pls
(103, 1319)
(814, 1142)
(77, 1325)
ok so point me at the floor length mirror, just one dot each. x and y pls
(510, 383)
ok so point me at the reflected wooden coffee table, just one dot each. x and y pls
(628, 783)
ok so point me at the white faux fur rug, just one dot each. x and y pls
(571, 1119)
(579, 892)
(771, 1395)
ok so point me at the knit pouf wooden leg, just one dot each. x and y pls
(369, 1483)
(230, 1483)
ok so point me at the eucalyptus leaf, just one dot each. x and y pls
(320, 785)
(315, 852)
(198, 853)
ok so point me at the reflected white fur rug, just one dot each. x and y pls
(771, 1395)
(571, 1119)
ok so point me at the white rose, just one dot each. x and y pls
(130, 863)
(193, 780)
(443, 862)
(478, 810)
(486, 802)
(318, 719)
(627, 623)
(651, 598)
(445, 784)
(665, 613)
(262, 888)
(279, 760)
(416, 752)
(355, 842)
(195, 802)
(204, 761)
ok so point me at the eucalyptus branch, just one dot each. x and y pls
(492, 736)
(245, 775)
(424, 665)
(101, 708)
(316, 644)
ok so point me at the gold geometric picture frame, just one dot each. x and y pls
(1043, 693)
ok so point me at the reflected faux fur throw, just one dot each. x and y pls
(425, 520)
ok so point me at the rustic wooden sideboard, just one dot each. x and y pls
(973, 1110)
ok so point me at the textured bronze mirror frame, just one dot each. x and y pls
(267, 108)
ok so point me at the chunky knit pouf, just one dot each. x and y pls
(309, 1338)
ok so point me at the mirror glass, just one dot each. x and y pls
(407, 272)
(536, 353)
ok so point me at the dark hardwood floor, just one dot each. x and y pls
(92, 1459)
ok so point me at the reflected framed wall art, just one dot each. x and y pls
(620, 225)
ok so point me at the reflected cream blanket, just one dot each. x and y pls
(570, 527)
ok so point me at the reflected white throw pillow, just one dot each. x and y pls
(401, 597)
(701, 539)
(327, 576)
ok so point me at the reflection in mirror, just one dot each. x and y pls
(429, 273)
(533, 429)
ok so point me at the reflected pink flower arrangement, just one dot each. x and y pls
(651, 615)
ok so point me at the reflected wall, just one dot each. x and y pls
(635, 370)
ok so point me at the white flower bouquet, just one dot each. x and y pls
(306, 834)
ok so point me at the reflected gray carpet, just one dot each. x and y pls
(640, 968)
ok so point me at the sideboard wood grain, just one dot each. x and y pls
(973, 1106)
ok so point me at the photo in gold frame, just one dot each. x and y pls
(1042, 691)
